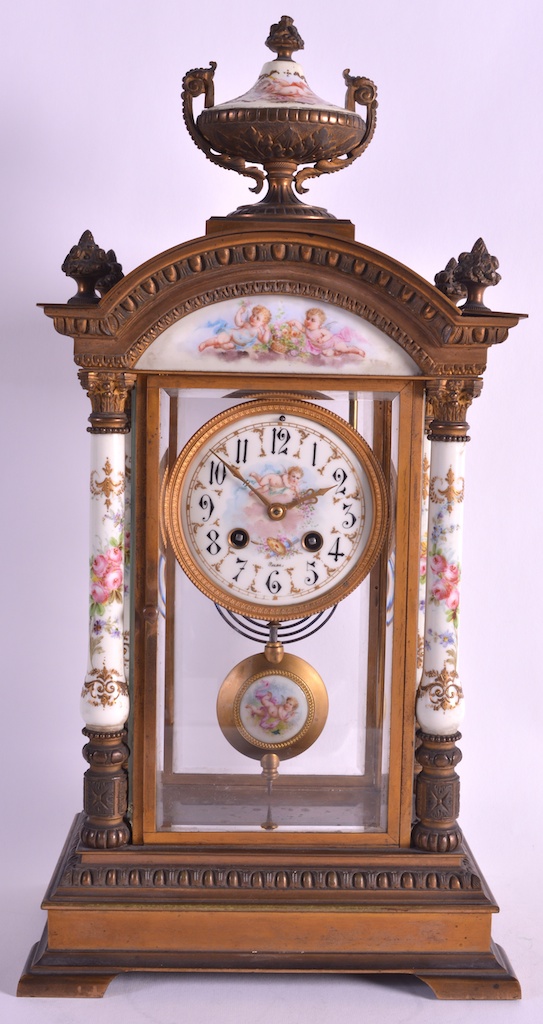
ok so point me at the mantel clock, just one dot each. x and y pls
(272, 699)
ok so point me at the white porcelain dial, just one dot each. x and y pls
(276, 509)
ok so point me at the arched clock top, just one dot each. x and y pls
(418, 317)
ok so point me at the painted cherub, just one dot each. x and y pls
(286, 484)
(321, 341)
(271, 712)
(284, 87)
(251, 325)
(287, 709)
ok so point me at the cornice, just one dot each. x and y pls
(114, 333)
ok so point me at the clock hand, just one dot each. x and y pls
(235, 472)
(308, 497)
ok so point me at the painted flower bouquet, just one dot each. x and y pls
(446, 586)
(106, 578)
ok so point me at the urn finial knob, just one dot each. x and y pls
(284, 38)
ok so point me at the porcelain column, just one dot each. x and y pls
(105, 698)
(425, 495)
(440, 699)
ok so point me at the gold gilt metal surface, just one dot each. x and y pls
(399, 802)
(234, 690)
(237, 263)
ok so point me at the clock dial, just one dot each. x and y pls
(276, 509)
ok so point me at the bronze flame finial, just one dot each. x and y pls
(284, 38)
(469, 276)
(477, 270)
(447, 283)
(91, 268)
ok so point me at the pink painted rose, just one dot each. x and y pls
(453, 599)
(441, 590)
(452, 573)
(99, 593)
(113, 579)
(100, 565)
(438, 564)
(115, 555)
(423, 567)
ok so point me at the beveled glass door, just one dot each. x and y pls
(341, 784)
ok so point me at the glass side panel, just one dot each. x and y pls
(340, 782)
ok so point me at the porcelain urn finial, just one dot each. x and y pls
(282, 125)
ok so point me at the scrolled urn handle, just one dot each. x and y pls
(198, 81)
(364, 92)
(195, 83)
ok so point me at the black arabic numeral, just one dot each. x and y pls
(280, 440)
(340, 477)
(273, 583)
(350, 518)
(217, 472)
(334, 551)
(242, 562)
(213, 547)
(312, 574)
(206, 504)
(241, 450)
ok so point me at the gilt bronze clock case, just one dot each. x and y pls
(270, 402)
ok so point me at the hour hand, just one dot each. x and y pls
(308, 497)
(235, 472)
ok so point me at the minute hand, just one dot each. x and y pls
(308, 497)
(235, 472)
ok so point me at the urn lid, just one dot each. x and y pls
(282, 82)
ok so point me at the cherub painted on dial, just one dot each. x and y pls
(277, 485)
(282, 484)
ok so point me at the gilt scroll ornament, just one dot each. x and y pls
(107, 487)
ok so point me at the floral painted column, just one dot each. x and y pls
(440, 699)
(425, 495)
(104, 698)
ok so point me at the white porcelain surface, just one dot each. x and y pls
(425, 506)
(279, 333)
(281, 83)
(104, 698)
(440, 701)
